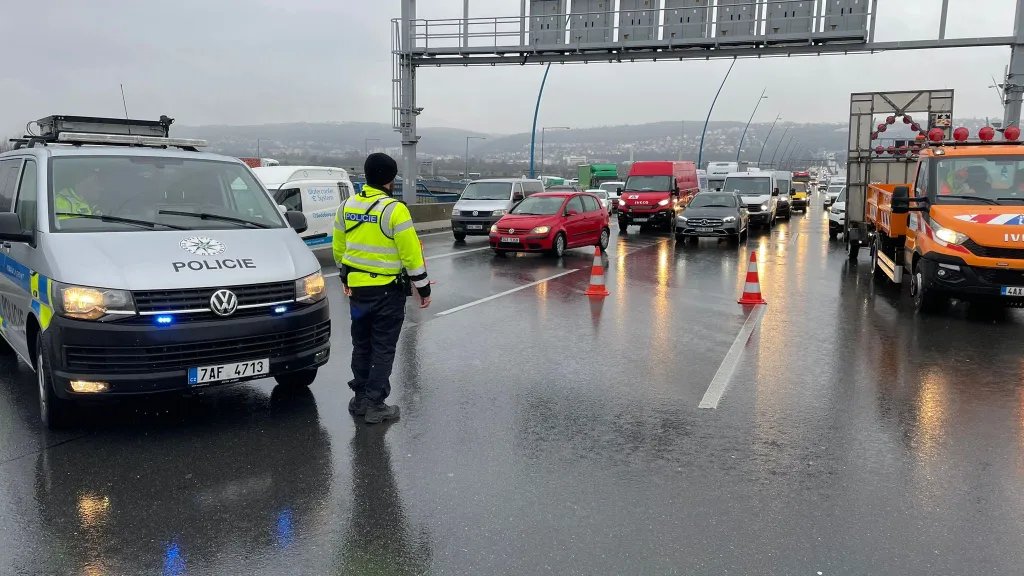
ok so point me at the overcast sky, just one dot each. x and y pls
(262, 61)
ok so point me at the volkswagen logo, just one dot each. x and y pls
(223, 302)
(475, 213)
(511, 230)
(202, 246)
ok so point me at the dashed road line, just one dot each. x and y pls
(506, 293)
(732, 359)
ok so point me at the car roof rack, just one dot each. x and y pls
(79, 130)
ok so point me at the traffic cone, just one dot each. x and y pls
(597, 277)
(752, 289)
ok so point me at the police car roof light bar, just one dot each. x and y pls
(125, 140)
(51, 127)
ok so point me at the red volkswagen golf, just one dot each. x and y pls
(551, 222)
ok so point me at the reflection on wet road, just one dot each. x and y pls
(544, 432)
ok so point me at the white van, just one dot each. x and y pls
(316, 191)
(717, 172)
(484, 202)
(135, 264)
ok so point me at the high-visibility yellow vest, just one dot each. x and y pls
(375, 239)
(68, 201)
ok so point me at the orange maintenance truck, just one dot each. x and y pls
(958, 227)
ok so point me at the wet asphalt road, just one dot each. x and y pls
(545, 433)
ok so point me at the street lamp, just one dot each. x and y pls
(796, 144)
(777, 146)
(744, 135)
(542, 131)
(468, 138)
(366, 145)
(700, 151)
(779, 117)
(257, 148)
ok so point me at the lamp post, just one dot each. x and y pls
(763, 144)
(777, 146)
(257, 148)
(744, 135)
(542, 131)
(700, 152)
(366, 145)
(795, 144)
(468, 138)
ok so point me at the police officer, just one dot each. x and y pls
(379, 255)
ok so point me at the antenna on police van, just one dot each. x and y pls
(125, 104)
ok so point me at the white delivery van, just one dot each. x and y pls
(316, 191)
(717, 172)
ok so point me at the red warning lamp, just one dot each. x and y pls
(908, 120)
(883, 127)
(874, 135)
(892, 150)
(987, 133)
(890, 120)
(903, 150)
(961, 134)
(936, 134)
(1011, 133)
(879, 150)
(915, 127)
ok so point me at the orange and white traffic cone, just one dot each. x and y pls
(752, 288)
(597, 277)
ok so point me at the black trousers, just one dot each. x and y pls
(377, 316)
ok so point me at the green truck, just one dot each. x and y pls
(593, 175)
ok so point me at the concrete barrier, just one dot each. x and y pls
(432, 217)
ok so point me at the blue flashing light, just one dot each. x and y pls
(280, 309)
(165, 319)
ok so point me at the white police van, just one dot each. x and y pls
(316, 191)
(173, 270)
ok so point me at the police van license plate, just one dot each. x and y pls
(1013, 290)
(207, 374)
(474, 226)
(640, 219)
(512, 240)
(705, 229)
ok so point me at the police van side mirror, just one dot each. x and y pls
(296, 220)
(11, 230)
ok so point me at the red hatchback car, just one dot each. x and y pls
(551, 222)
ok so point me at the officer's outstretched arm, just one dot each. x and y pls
(409, 248)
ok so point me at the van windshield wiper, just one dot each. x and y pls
(119, 220)
(988, 200)
(208, 216)
(1010, 198)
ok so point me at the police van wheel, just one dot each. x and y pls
(53, 411)
(300, 379)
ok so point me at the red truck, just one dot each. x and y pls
(655, 192)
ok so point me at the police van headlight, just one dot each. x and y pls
(311, 288)
(84, 303)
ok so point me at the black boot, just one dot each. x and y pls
(377, 413)
(357, 405)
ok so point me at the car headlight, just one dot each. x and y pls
(949, 236)
(311, 288)
(84, 303)
(456, 212)
(682, 219)
(494, 228)
(764, 206)
(498, 213)
(541, 230)
(729, 219)
(663, 202)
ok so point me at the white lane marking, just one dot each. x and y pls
(448, 254)
(434, 233)
(732, 359)
(506, 293)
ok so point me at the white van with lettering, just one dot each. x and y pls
(316, 191)
(131, 263)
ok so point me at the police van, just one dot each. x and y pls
(316, 191)
(134, 264)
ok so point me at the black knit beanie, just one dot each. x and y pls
(380, 170)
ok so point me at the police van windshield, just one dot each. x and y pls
(748, 186)
(487, 191)
(106, 193)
